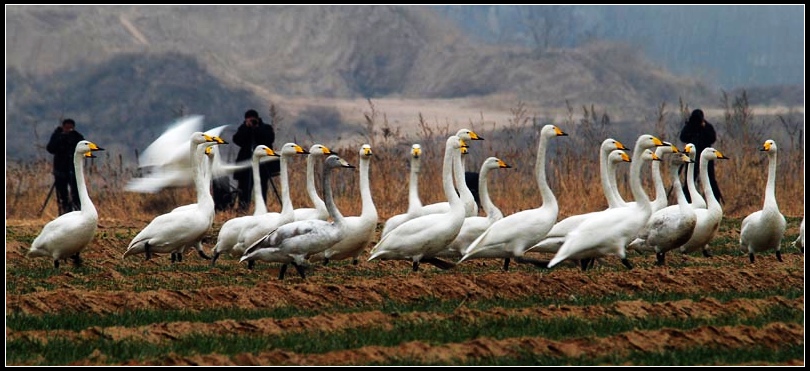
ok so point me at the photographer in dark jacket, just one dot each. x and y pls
(251, 133)
(62, 145)
(700, 133)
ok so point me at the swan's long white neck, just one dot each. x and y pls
(258, 198)
(492, 211)
(660, 192)
(286, 203)
(607, 171)
(317, 202)
(85, 203)
(450, 154)
(549, 200)
(770, 188)
(201, 183)
(414, 203)
(471, 209)
(369, 210)
(694, 195)
(642, 201)
(711, 201)
(326, 182)
(683, 204)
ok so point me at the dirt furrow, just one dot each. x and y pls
(637, 309)
(317, 293)
(720, 338)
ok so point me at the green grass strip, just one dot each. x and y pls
(80, 321)
(64, 351)
(692, 356)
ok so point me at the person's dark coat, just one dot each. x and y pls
(247, 138)
(62, 146)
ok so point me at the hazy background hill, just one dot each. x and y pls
(125, 72)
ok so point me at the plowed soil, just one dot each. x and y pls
(342, 296)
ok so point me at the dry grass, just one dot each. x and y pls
(572, 167)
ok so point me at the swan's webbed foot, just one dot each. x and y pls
(355, 261)
(779, 255)
(627, 263)
(707, 254)
(325, 261)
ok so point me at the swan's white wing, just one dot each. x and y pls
(173, 144)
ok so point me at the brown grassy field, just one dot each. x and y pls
(694, 311)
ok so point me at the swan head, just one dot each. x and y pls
(468, 134)
(416, 151)
(262, 150)
(86, 148)
(611, 144)
(665, 149)
(646, 141)
(769, 146)
(320, 150)
(290, 149)
(496, 163)
(365, 151)
(649, 155)
(335, 161)
(617, 156)
(199, 137)
(689, 149)
(552, 131)
(455, 142)
(682, 158)
(710, 153)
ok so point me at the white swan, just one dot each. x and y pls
(695, 199)
(229, 232)
(660, 200)
(511, 236)
(610, 154)
(475, 225)
(467, 198)
(316, 153)
(166, 162)
(420, 239)
(763, 230)
(609, 231)
(708, 219)
(293, 242)
(672, 226)
(414, 203)
(70, 233)
(259, 225)
(178, 229)
(359, 230)
(799, 243)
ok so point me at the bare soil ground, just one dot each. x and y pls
(107, 285)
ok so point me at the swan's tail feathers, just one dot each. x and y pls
(549, 244)
(441, 264)
(556, 260)
(475, 245)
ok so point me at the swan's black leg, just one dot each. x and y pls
(147, 251)
(300, 270)
(325, 261)
(415, 266)
(214, 259)
(506, 264)
(282, 271)
(251, 264)
(56, 263)
(779, 255)
(627, 263)
(706, 253)
(659, 257)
